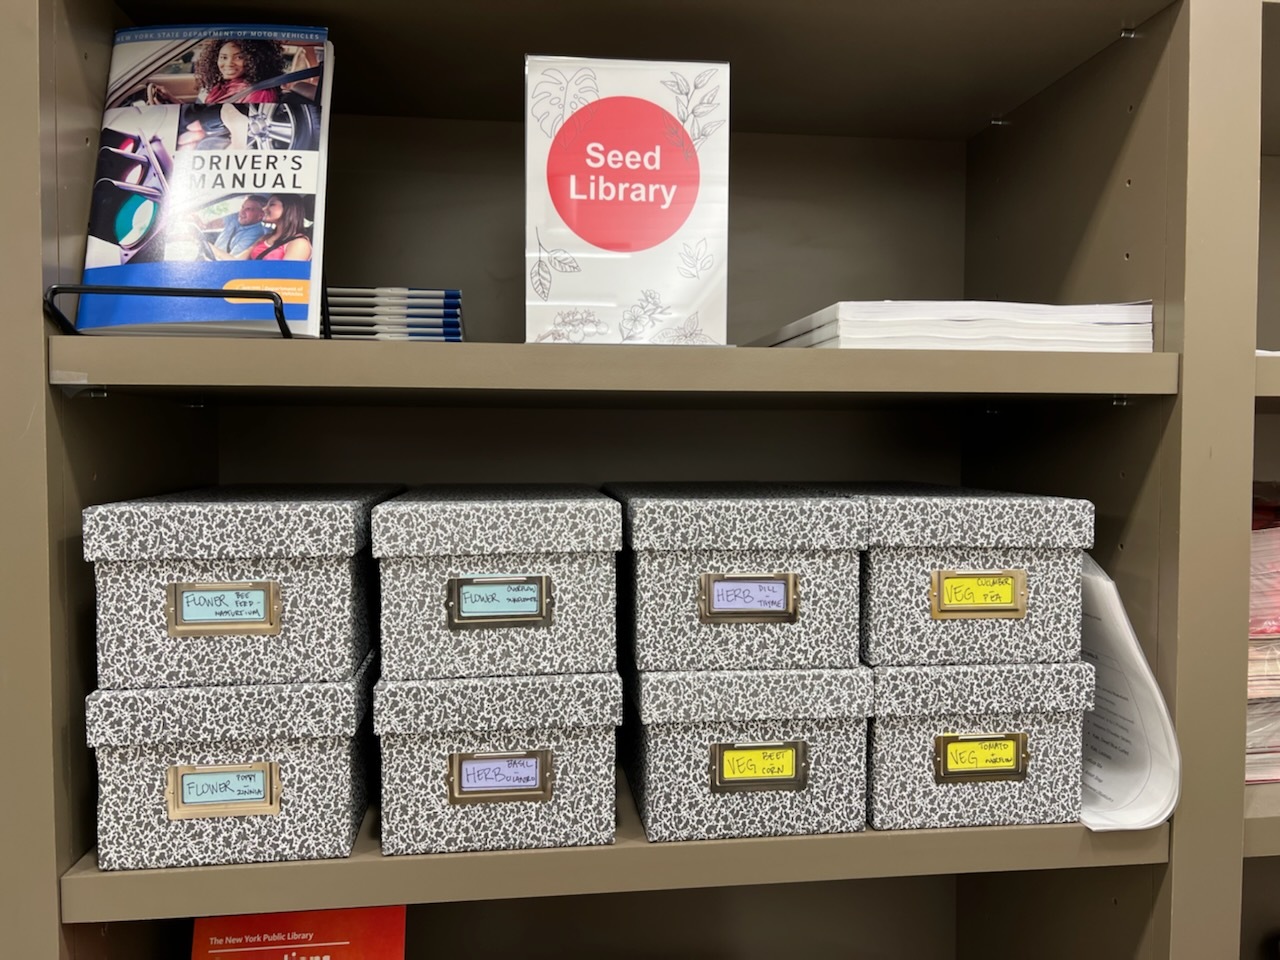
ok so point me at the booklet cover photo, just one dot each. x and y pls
(210, 173)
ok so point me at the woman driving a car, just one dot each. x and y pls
(227, 67)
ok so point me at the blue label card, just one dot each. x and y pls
(224, 606)
(499, 599)
(761, 595)
(500, 773)
(241, 786)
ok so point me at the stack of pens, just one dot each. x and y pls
(395, 313)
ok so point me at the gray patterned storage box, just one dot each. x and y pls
(749, 753)
(741, 577)
(237, 774)
(965, 746)
(497, 581)
(228, 585)
(497, 763)
(961, 576)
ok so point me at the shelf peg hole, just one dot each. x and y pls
(1128, 182)
(1126, 256)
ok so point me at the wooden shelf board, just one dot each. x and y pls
(470, 372)
(1262, 820)
(368, 878)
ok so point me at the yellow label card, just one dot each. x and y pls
(981, 590)
(978, 756)
(758, 763)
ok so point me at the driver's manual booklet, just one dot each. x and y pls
(210, 173)
(1132, 767)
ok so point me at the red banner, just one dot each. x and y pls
(372, 933)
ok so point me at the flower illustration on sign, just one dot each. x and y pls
(689, 332)
(642, 316)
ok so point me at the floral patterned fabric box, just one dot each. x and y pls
(497, 581)
(965, 746)
(232, 585)
(626, 201)
(720, 754)
(741, 576)
(234, 774)
(497, 763)
(966, 576)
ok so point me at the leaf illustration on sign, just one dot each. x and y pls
(694, 260)
(689, 332)
(540, 277)
(556, 97)
(691, 110)
(559, 260)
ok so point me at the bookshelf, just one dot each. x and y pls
(866, 164)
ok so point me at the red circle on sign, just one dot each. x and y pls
(623, 174)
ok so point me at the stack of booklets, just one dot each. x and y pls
(395, 313)
(1262, 744)
(970, 325)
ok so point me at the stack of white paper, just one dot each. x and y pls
(395, 313)
(970, 325)
(1132, 766)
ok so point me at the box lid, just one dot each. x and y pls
(995, 688)
(235, 521)
(740, 516)
(272, 711)
(929, 516)
(700, 696)
(487, 519)
(562, 701)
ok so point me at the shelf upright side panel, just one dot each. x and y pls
(1212, 305)
(30, 869)
(1113, 183)
(1067, 203)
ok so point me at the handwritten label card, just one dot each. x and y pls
(978, 591)
(229, 606)
(499, 599)
(762, 595)
(500, 773)
(224, 787)
(758, 763)
(995, 754)
(776, 765)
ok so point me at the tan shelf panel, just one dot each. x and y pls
(368, 878)
(1262, 820)
(479, 370)
(1268, 375)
